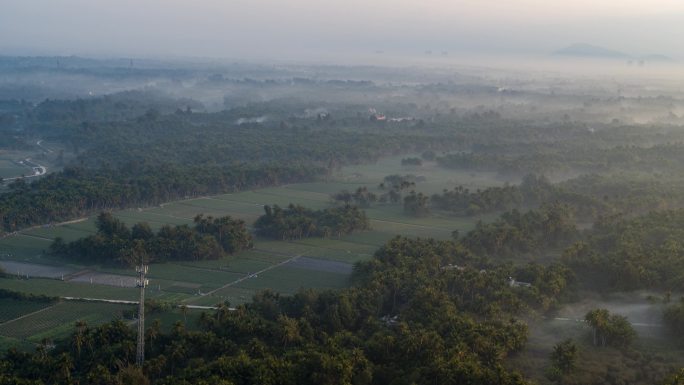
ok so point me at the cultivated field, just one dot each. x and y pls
(57, 320)
(284, 267)
(9, 168)
(26, 323)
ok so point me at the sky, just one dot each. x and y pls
(291, 29)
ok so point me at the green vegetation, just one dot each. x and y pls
(296, 222)
(563, 360)
(361, 197)
(637, 253)
(674, 320)
(403, 296)
(58, 321)
(465, 234)
(114, 243)
(518, 233)
(610, 329)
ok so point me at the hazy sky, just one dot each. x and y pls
(307, 28)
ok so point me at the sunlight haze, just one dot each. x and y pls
(278, 29)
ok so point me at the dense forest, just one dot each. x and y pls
(639, 253)
(517, 234)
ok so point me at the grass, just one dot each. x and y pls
(7, 343)
(233, 294)
(289, 280)
(14, 308)
(9, 166)
(57, 321)
(23, 248)
(66, 232)
(53, 287)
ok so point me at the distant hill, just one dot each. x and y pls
(657, 58)
(592, 51)
(588, 50)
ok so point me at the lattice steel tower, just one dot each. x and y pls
(142, 282)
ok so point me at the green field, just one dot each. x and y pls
(58, 320)
(190, 281)
(10, 169)
(13, 308)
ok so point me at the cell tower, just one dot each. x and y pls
(142, 282)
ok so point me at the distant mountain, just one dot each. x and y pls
(588, 50)
(657, 58)
(592, 51)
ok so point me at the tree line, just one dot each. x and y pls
(116, 244)
(296, 222)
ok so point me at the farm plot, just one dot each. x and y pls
(288, 280)
(328, 188)
(53, 287)
(183, 212)
(232, 294)
(156, 221)
(14, 308)
(191, 277)
(337, 249)
(7, 343)
(10, 169)
(65, 232)
(436, 178)
(282, 248)
(58, 321)
(305, 196)
(227, 264)
(105, 279)
(23, 248)
(244, 266)
(314, 264)
(281, 197)
(33, 270)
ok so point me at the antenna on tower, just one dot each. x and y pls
(141, 282)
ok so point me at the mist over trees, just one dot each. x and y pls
(534, 195)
